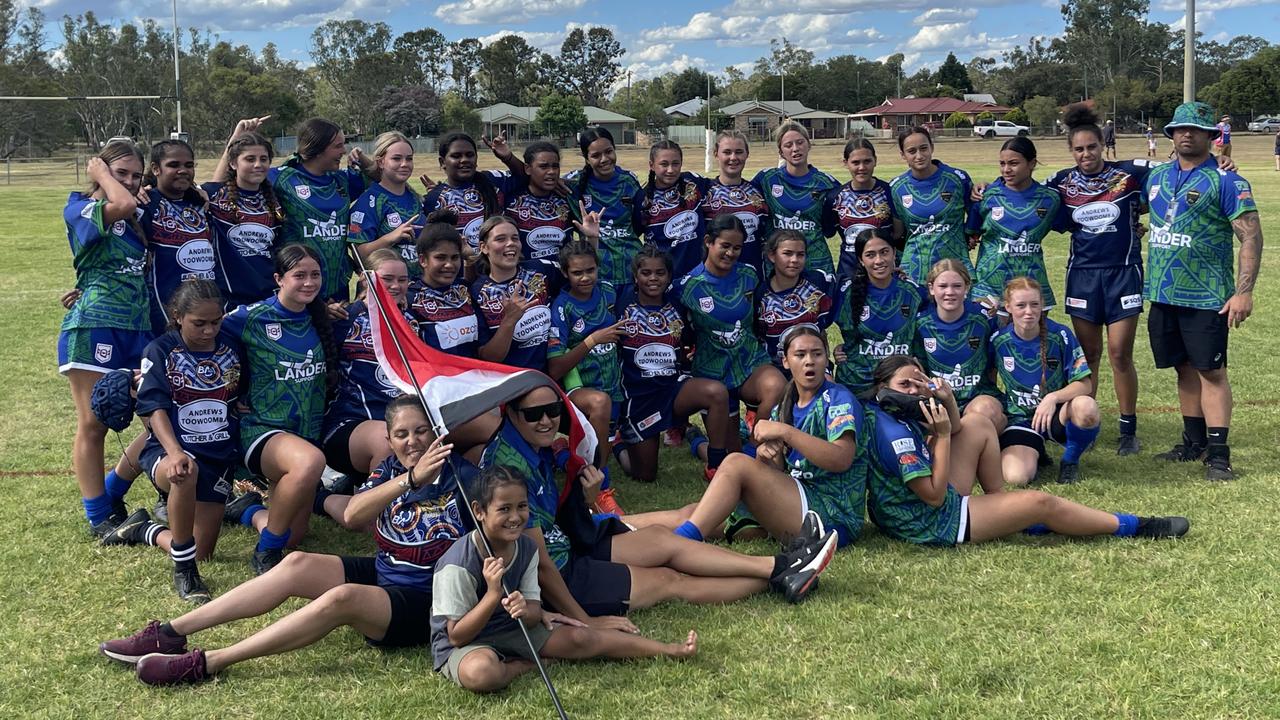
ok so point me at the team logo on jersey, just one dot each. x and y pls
(1008, 363)
(578, 326)
(905, 309)
(302, 191)
(274, 331)
(997, 213)
(908, 200)
(946, 196)
(208, 371)
(866, 313)
(1041, 212)
(931, 344)
(975, 343)
(1153, 192)
(707, 304)
(1193, 196)
(776, 190)
(102, 352)
(393, 219)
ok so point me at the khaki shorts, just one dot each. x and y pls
(509, 645)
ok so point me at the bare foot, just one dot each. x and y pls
(688, 649)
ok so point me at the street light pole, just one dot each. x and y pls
(177, 81)
(1189, 54)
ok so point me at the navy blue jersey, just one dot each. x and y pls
(1102, 213)
(672, 218)
(957, 350)
(886, 327)
(446, 318)
(811, 301)
(198, 393)
(178, 241)
(747, 202)
(533, 331)
(244, 228)
(851, 211)
(363, 388)
(653, 346)
(467, 202)
(544, 223)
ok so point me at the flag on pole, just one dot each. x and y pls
(459, 389)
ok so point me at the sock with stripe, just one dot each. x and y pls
(1128, 424)
(184, 554)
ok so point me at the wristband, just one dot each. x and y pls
(589, 343)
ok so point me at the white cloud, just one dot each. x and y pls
(955, 36)
(1212, 5)
(1203, 20)
(939, 16)
(228, 15)
(549, 41)
(650, 70)
(868, 36)
(476, 12)
(651, 53)
(816, 33)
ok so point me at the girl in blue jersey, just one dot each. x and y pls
(877, 311)
(173, 217)
(108, 325)
(796, 194)
(386, 215)
(585, 328)
(411, 500)
(1041, 371)
(471, 194)
(658, 391)
(603, 187)
(292, 363)
(931, 199)
(1010, 223)
(668, 209)
(911, 484)
(441, 302)
(191, 382)
(245, 218)
(540, 209)
(863, 203)
(729, 193)
(791, 296)
(718, 298)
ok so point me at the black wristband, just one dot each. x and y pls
(412, 484)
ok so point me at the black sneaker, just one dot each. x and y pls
(1183, 452)
(1162, 527)
(190, 585)
(1218, 469)
(1128, 445)
(337, 482)
(811, 531)
(235, 508)
(802, 566)
(263, 560)
(131, 531)
(1068, 473)
(108, 526)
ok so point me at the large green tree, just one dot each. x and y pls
(588, 64)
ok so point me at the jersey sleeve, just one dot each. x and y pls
(902, 449)
(1235, 196)
(1073, 357)
(975, 213)
(365, 220)
(85, 218)
(233, 324)
(558, 338)
(842, 414)
(354, 180)
(154, 392)
(384, 472)
(212, 188)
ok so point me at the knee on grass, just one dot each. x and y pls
(481, 671)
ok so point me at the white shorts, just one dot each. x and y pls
(963, 531)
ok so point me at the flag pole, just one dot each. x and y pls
(370, 280)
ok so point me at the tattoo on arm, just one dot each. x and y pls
(1249, 229)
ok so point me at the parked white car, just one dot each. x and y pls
(999, 128)
(1265, 124)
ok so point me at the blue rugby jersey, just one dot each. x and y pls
(674, 220)
(178, 241)
(747, 202)
(897, 456)
(109, 263)
(533, 331)
(198, 393)
(363, 387)
(721, 312)
(446, 317)
(379, 211)
(545, 224)
(933, 212)
(1021, 376)
(811, 301)
(1102, 212)
(886, 327)
(244, 231)
(797, 203)
(1013, 225)
(572, 320)
(317, 214)
(956, 351)
(850, 211)
(467, 202)
(652, 346)
(614, 199)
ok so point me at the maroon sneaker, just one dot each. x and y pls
(146, 641)
(159, 669)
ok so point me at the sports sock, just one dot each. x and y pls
(150, 532)
(689, 530)
(1037, 529)
(1128, 424)
(97, 509)
(715, 456)
(605, 484)
(1128, 525)
(1216, 436)
(1194, 431)
(183, 555)
(696, 442)
(317, 505)
(1078, 440)
(271, 541)
(117, 487)
(167, 629)
(246, 517)
(779, 565)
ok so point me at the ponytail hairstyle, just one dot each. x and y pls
(859, 143)
(649, 251)
(731, 135)
(112, 152)
(314, 136)
(1027, 283)
(159, 152)
(381, 145)
(484, 185)
(652, 185)
(577, 248)
(189, 294)
(913, 130)
(720, 224)
(948, 265)
(234, 150)
(585, 138)
(1080, 118)
(884, 371)
(775, 240)
(787, 405)
(1023, 146)
(482, 262)
(441, 228)
(286, 258)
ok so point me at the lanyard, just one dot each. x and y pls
(1181, 180)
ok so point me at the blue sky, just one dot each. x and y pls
(663, 35)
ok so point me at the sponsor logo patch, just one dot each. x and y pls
(902, 445)
(357, 217)
(1128, 302)
(1077, 303)
(908, 459)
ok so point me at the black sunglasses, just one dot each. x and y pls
(534, 413)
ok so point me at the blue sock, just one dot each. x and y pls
(1128, 525)
(271, 541)
(97, 509)
(1037, 529)
(246, 517)
(605, 471)
(1078, 440)
(689, 530)
(117, 487)
(696, 442)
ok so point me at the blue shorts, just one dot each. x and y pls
(101, 349)
(1104, 295)
(213, 480)
(646, 416)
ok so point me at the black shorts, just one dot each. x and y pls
(1104, 295)
(213, 481)
(253, 455)
(410, 624)
(337, 447)
(600, 586)
(1023, 435)
(1181, 335)
(646, 416)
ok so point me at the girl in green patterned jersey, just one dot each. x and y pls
(605, 188)
(387, 214)
(932, 200)
(797, 195)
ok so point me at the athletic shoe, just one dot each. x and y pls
(1218, 469)
(709, 474)
(1068, 473)
(1162, 527)
(742, 526)
(607, 503)
(235, 508)
(673, 437)
(161, 509)
(149, 640)
(1182, 452)
(1129, 445)
(158, 669)
(131, 531)
(190, 585)
(803, 566)
(811, 531)
(336, 482)
(263, 560)
(108, 526)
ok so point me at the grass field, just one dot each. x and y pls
(1015, 629)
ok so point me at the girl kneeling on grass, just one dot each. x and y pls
(474, 638)
(386, 598)
(910, 458)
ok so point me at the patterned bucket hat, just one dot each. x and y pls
(1193, 114)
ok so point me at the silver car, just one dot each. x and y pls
(1265, 124)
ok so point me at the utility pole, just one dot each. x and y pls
(1189, 54)
(784, 92)
(177, 80)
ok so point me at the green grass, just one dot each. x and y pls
(1014, 629)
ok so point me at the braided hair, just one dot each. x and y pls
(235, 149)
(189, 294)
(484, 185)
(585, 138)
(649, 251)
(1027, 283)
(286, 258)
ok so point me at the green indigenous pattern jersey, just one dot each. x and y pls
(285, 361)
(316, 214)
(798, 203)
(721, 311)
(885, 327)
(897, 454)
(614, 199)
(1013, 225)
(538, 468)
(572, 320)
(933, 211)
(1189, 261)
(1023, 378)
(379, 211)
(109, 262)
(837, 497)
(956, 351)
